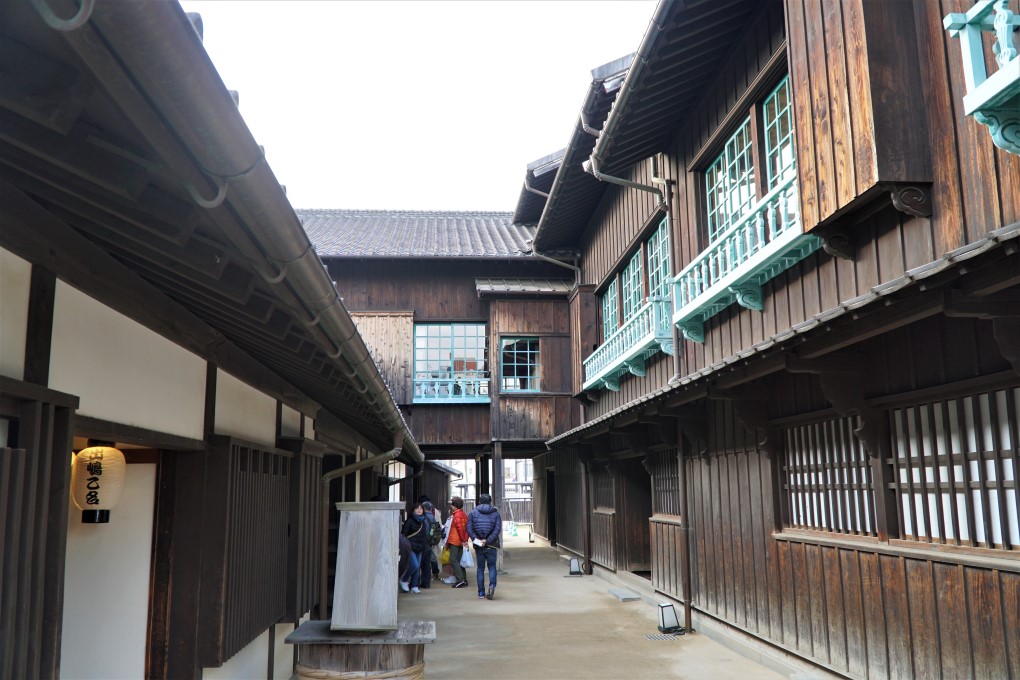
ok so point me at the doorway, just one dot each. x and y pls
(635, 508)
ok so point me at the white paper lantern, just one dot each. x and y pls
(97, 480)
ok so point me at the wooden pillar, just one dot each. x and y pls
(498, 490)
(482, 463)
(685, 531)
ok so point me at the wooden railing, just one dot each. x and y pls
(626, 350)
(762, 244)
(465, 387)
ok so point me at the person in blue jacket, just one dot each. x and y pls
(484, 526)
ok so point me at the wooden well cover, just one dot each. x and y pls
(365, 594)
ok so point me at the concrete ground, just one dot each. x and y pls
(545, 624)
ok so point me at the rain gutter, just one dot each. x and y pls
(156, 44)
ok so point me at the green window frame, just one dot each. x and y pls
(729, 182)
(610, 310)
(659, 275)
(520, 365)
(778, 122)
(633, 289)
(451, 362)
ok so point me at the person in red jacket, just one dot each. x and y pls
(457, 539)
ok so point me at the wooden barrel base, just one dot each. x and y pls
(324, 654)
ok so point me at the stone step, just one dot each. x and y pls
(624, 595)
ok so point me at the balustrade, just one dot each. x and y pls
(626, 350)
(763, 243)
(468, 387)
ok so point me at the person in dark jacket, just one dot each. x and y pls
(416, 530)
(484, 526)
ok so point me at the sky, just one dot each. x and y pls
(413, 105)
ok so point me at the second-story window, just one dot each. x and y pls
(521, 369)
(610, 310)
(633, 287)
(450, 362)
(733, 184)
(659, 277)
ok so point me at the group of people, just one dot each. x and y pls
(423, 534)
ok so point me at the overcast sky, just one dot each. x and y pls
(420, 104)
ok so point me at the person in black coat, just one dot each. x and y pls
(416, 530)
(484, 526)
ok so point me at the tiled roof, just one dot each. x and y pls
(492, 287)
(412, 233)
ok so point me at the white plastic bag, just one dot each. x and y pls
(466, 560)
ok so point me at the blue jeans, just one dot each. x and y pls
(483, 556)
(413, 572)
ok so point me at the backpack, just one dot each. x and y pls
(434, 534)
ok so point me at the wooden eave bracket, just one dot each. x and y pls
(841, 377)
(750, 406)
(913, 198)
(1003, 309)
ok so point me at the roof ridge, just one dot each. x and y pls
(373, 211)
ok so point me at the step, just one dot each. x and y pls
(624, 595)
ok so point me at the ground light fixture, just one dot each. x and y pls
(575, 567)
(668, 621)
(97, 481)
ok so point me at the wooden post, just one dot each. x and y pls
(685, 531)
(497, 475)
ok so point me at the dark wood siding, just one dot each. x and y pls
(858, 123)
(34, 488)
(443, 424)
(530, 417)
(584, 335)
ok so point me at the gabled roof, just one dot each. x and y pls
(572, 185)
(539, 177)
(683, 48)
(411, 233)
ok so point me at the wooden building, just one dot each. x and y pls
(158, 293)
(796, 332)
(469, 329)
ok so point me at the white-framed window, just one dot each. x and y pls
(521, 366)
(659, 275)
(633, 287)
(729, 182)
(778, 120)
(610, 310)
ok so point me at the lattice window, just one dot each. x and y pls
(659, 277)
(610, 310)
(955, 470)
(729, 182)
(521, 365)
(450, 361)
(665, 483)
(828, 479)
(778, 121)
(633, 290)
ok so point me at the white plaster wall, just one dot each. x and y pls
(290, 422)
(15, 283)
(106, 585)
(283, 656)
(124, 372)
(243, 411)
(249, 664)
(309, 428)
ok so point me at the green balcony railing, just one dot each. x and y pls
(626, 350)
(762, 244)
(993, 100)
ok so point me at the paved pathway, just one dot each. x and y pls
(544, 624)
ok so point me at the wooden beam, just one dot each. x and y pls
(837, 362)
(74, 154)
(1004, 305)
(96, 428)
(1007, 334)
(39, 333)
(44, 90)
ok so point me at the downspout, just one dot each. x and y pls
(685, 534)
(324, 520)
(528, 187)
